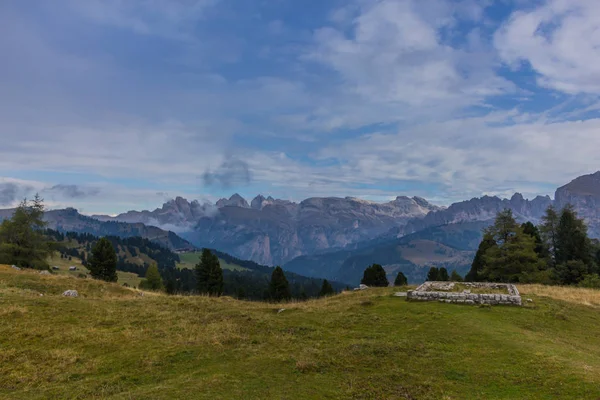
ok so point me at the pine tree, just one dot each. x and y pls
(102, 262)
(513, 258)
(400, 280)
(22, 239)
(574, 251)
(455, 276)
(443, 274)
(279, 288)
(326, 289)
(549, 232)
(479, 261)
(153, 279)
(433, 274)
(530, 229)
(375, 276)
(209, 275)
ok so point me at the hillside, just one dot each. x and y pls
(113, 343)
(70, 220)
(451, 246)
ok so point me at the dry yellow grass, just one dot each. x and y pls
(587, 297)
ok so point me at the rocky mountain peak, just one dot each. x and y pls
(234, 201)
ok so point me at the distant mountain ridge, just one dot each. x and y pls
(70, 220)
(272, 231)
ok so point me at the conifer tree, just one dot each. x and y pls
(549, 232)
(102, 262)
(209, 275)
(530, 229)
(455, 276)
(22, 240)
(375, 275)
(400, 280)
(513, 258)
(326, 289)
(433, 274)
(443, 274)
(279, 287)
(479, 261)
(574, 250)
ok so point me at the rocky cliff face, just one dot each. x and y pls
(482, 209)
(583, 194)
(272, 231)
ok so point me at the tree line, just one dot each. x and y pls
(558, 251)
(25, 242)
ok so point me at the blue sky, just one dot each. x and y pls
(110, 105)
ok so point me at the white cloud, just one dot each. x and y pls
(395, 55)
(559, 40)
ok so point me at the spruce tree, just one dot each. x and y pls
(574, 250)
(513, 258)
(455, 276)
(375, 276)
(530, 229)
(433, 274)
(549, 232)
(443, 274)
(479, 261)
(102, 262)
(22, 239)
(326, 289)
(209, 275)
(279, 287)
(400, 280)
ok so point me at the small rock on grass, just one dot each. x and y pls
(71, 293)
(15, 267)
(281, 310)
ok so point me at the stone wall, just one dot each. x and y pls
(429, 291)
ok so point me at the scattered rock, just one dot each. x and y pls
(529, 300)
(466, 291)
(55, 268)
(400, 294)
(71, 293)
(361, 287)
(45, 272)
(15, 267)
(41, 295)
(281, 310)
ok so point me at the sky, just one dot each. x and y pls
(112, 105)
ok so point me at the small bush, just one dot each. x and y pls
(591, 281)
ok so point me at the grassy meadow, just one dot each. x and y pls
(190, 259)
(63, 263)
(112, 343)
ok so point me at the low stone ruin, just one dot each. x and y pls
(442, 292)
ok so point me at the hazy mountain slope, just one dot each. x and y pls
(69, 220)
(272, 231)
(451, 246)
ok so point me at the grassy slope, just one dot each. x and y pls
(113, 343)
(189, 260)
(64, 264)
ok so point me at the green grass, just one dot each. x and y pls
(63, 263)
(190, 259)
(112, 343)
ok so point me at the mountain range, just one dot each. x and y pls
(333, 237)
